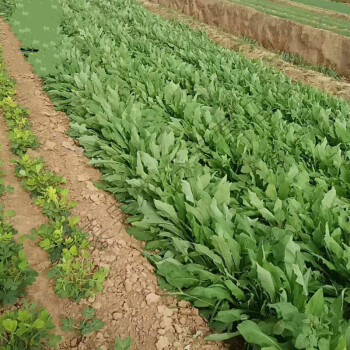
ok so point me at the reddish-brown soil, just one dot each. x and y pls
(252, 51)
(317, 46)
(131, 304)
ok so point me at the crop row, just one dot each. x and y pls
(237, 178)
(28, 326)
(74, 273)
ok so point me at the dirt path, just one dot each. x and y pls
(251, 51)
(131, 303)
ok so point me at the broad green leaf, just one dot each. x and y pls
(10, 325)
(221, 337)
(166, 210)
(328, 198)
(315, 306)
(254, 335)
(266, 281)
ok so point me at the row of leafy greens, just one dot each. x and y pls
(237, 178)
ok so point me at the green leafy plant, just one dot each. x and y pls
(122, 344)
(15, 273)
(60, 235)
(27, 328)
(21, 140)
(7, 85)
(55, 202)
(87, 325)
(76, 276)
(35, 177)
(20, 134)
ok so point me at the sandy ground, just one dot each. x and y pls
(306, 76)
(131, 303)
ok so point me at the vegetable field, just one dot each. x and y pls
(235, 177)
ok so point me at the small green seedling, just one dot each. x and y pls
(27, 328)
(87, 325)
(121, 344)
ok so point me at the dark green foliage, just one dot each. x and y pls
(7, 8)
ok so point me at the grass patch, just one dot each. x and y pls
(298, 60)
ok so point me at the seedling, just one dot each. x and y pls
(75, 276)
(35, 177)
(20, 135)
(62, 234)
(15, 273)
(87, 325)
(122, 344)
(27, 328)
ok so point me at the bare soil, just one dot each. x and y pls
(131, 303)
(216, 34)
(317, 46)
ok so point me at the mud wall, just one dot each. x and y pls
(317, 46)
